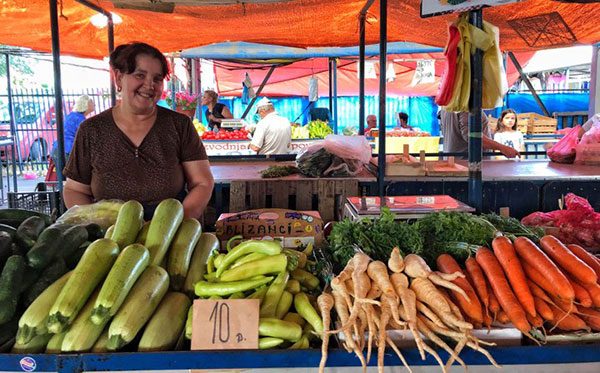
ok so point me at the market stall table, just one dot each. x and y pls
(241, 184)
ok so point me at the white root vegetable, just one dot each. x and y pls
(416, 267)
(409, 301)
(427, 293)
(343, 314)
(396, 263)
(325, 302)
(377, 271)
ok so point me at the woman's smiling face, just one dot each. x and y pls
(142, 89)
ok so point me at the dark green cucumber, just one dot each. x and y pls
(52, 273)
(74, 258)
(5, 247)
(10, 282)
(46, 248)
(8, 229)
(72, 238)
(8, 330)
(94, 231)
(29, 230)
(14, 217)
(30, 276)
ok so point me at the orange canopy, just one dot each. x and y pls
(300, 23)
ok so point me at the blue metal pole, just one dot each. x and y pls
(335, 96)
(475, 187)
(382, 96)
(58, 107)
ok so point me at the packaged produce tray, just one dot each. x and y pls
(403, 207)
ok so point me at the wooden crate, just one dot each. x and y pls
(536, 123)
(328, 194)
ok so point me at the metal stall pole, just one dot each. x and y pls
(361, 67)
(528, 83)
(58, 107)
(330, 85)
(259, 90)
(594, 106)
(475, 187)
(111, 41)
(382, 96)
(335, 96)
(13, 129)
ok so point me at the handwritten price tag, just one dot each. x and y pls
(225, 324)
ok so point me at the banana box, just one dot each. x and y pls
(292, 228)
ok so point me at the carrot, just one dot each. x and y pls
(543, 309)
(472, 309)
(581, 294)
(532, 255)
(538, 292)
(567, 260)
(591, 317)
(502, 290)
(494, 305)
(536, 321)
(549, 287)
(475, 274)
(594, 291)
(507, 256)
(587, 257)
(565, 306)
(503, 317)
(567, 322)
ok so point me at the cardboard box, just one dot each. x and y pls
(292, 228)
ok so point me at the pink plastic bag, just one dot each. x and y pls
(564, 150)
(588, 149)
(348, 147)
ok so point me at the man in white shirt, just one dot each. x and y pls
(273, 134)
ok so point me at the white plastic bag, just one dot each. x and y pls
(349, 147)
(313, 89)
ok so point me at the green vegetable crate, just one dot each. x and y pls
(403, 207)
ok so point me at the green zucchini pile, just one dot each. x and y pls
(34, 253)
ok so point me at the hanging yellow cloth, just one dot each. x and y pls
(494, 77)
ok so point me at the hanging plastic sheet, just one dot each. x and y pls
(313, 89)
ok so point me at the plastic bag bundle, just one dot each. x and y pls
(588, 149)
(564, 150)
(104, 213)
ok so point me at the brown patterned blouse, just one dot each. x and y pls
(104, 158)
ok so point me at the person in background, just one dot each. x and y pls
(273, 133)
(215, 112)
(403, 122)
(371, 124)
(137, 150)
(83, 107)
(455, 129)
(507, 132)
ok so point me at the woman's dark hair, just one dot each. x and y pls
(123, 57)
(499, 125)
(403, 116)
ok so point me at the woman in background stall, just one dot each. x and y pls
(215, 111)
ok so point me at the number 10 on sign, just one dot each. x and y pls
(225, 324)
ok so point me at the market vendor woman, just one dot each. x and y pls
(215, 111)
(136, 149)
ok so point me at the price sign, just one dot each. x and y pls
(437, 7)
(225, 324)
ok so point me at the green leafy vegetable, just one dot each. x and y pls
(512, 226)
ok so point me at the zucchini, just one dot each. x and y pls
(207, 244)
(128, 267)
(72, 239)
(167, 218)
(109, 232)
(8, 330)
(128, 224)
(167, 323)
(95, 231)
(91, 270)
(181, 250)
(29, 230)
(10, 282)
(46, 248)
(14, 217)
(52, 273)
(74, 258)
(141, 238)
(35, 346)
(5, 247)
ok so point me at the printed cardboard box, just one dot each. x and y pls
(292, 228)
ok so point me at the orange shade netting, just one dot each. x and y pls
(300, 23)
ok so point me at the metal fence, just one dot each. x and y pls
(34, 122)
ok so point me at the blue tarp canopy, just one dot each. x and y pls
(255, 51)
